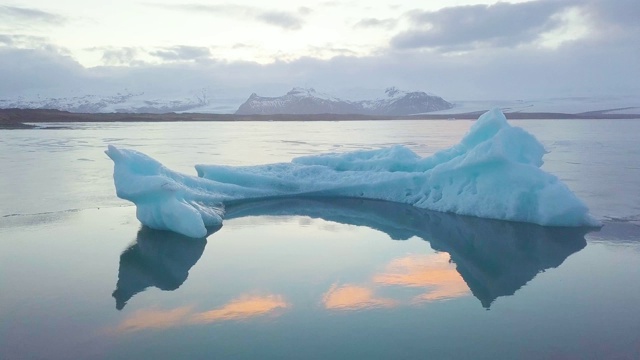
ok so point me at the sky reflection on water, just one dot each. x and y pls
(486, 258)
(302, 278)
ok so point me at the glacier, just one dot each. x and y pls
(494, 172)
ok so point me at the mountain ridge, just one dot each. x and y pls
(302, 101)
(207, 101)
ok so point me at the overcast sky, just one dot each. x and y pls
(461, 50)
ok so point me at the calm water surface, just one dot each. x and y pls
(80, 279)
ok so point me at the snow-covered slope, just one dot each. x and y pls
(296, 101)
(567, 105)
(304, 101)
(125, 102)
(309, 101)
(399, 102)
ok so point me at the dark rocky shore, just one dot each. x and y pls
(24, 118)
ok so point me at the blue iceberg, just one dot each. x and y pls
(494, 172)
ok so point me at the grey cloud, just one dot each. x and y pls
(283, 19)
(20, 40)
(32, 15)
(303, 10)
(500, 24)
(119, 56)
(338, 4)
(613, 21)
(576, 69)
(376, 23)
(6, 39)
(37, 70)
(182, 52)
(619, 12)
(320, 51)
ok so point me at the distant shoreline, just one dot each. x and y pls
(21, 118)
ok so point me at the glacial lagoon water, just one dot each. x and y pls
(301, 278)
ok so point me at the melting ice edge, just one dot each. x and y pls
(494, 172)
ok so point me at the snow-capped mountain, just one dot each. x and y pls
(123, 102)
(399, 102)
(309, 101)
(304, 101)
(296, 101)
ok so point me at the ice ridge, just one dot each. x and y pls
(494, 172)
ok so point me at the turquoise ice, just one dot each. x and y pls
(494, 172)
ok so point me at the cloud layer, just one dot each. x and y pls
(535, 49)
(290, 20)
(22, 14)
(500, 24)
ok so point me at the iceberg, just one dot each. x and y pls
(494, 172)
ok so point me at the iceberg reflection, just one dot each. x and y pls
(492, 258)
(157, 258)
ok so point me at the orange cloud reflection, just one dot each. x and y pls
(154, 319)
(242, 308)
(432, 271)
(351, 297)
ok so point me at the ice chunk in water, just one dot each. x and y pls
(494, 172)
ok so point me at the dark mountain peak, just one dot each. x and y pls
(308, 101)
(391, 91)
(301, 91)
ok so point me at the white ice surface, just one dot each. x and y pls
(575, 105)
(494, 172)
